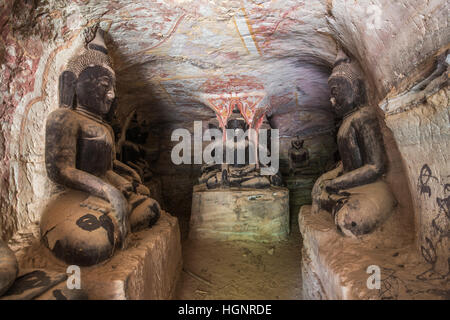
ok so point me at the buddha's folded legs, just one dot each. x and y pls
(357, 210)
(256, 182)
(80, 229)
(364, 208)
(144, 213)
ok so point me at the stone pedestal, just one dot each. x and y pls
(148, 269)
(240, 214)
(299, 190)
(336, 267)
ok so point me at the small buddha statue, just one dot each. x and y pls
(238, 175)
(105, 199)
(354, 192)
(298, 156)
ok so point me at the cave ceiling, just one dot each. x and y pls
(178, 60)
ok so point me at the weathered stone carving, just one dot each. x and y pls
(130, 146)
(358, 199)
(32, 283)
(105, 197)
(298, 156)
(245, 175)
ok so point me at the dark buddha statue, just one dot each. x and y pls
(105, 198)
(298, 156)
(235, 174)
(131, 150)
(354, 191)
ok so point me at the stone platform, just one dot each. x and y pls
(148, 269)
(335, 267)
(240, 214)
(299, 190)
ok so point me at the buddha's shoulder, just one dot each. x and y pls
(365, 114)
(62, 112)
(62, 116)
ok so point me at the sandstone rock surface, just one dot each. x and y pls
(148, 269)
(240, 214)
(337, 267)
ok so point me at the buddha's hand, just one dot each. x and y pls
(141, 189)
(321, 186)
(330, 187)
(127, 188)
(325, 185)
(119, 206)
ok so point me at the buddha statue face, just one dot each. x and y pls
(342, 96)
(95, 89)
(347, 88)
(297, 143)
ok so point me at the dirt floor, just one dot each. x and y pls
(241, 270)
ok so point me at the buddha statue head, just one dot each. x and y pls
(95, 89)
(346, 84)
(89, 81)
(297, 143)
(236, 121)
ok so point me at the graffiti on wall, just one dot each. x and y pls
(436, 242)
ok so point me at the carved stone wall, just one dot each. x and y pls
(168, 53)
(422, 132)
(391, 39)
(36, 40)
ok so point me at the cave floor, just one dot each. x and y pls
(232, 270)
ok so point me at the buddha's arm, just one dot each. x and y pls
(60, 157)
(363, 175)
(373, 150)
(290, 160)
(119, 182)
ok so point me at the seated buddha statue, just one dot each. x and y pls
(236, 174)
(298, 156)
(354, 191)
(104, 198)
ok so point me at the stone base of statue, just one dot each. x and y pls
(240, 214)
(148, 268)
(339, 267)
(299, 190)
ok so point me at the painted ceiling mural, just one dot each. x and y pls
(176, 61)
(183, 60)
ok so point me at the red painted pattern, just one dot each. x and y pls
(245, 92)
(267, 22)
